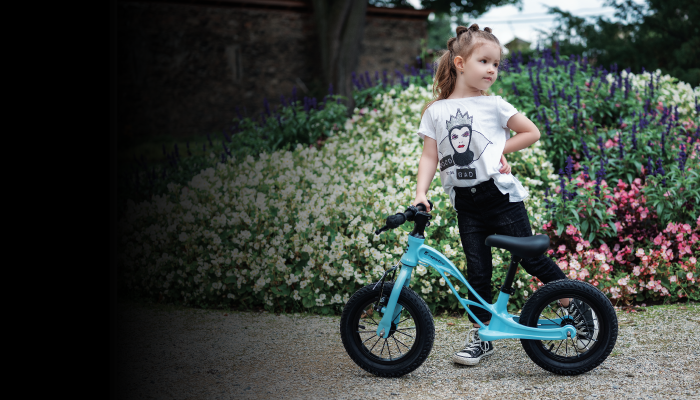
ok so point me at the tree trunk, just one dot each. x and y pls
(340, 25)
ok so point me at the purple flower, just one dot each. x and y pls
(622, 146)
(548, 127)
(660, 167)
(556, 109)
(585, 172)
(569, 167)
(634, 137)
(576, 120)
(600, 175)
(682, 157)
(515, 90)
(562, 184)
(650, 167)
(586, 152)
(572, 72)
(283, 101)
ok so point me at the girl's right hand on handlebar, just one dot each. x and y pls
(422, 199)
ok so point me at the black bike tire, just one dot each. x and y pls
(563, 288)
(425, 332)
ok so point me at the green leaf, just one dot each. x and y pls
(584, 227)
(591, 237)
(560, 228)
(231, 279)
(659, 209)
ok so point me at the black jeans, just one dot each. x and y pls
(482, 210)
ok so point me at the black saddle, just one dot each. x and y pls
(526, 247)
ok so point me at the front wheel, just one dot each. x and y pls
(410, 339)
(589, 311)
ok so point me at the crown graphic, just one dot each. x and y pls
(458, 120)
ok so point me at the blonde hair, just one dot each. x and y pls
(463, 45)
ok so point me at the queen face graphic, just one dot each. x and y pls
(460, 139)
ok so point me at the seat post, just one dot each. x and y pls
(507, 286)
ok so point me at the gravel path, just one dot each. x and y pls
(167, 352)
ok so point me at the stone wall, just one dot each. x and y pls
(183, 68)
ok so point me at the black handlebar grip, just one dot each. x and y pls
(421, 206)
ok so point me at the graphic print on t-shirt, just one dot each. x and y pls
(464, 143)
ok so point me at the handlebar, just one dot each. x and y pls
(398, 219)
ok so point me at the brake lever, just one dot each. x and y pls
(380, 230)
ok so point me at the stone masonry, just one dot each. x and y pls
(184, 67)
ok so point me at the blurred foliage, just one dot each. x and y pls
(661, 34)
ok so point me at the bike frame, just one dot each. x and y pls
(502, 326)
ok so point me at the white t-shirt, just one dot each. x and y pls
(471, 134)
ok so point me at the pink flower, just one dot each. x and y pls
(673, 278)
(563, 264)
(562, 249)
(657, 240)
(572, 274)
(609, 144)
(689, 275)
(583, 274)
(636, 270)
(570, 230)
(692, 260)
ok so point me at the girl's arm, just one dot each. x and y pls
(426, 171)
(526, 133)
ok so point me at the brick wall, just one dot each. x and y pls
(184, 68)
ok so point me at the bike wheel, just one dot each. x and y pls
(590, 312)
(409, 341)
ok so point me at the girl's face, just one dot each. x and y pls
(460, 139)
(481, 70)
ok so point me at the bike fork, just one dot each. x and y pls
(392, 311)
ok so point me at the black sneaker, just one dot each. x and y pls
(474, 349)
(586, 323)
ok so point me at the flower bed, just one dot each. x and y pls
(293, 230)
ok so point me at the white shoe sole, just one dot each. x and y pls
(468, 360)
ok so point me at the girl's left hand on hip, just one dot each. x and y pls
(505, 169)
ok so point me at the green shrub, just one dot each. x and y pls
(293, 229)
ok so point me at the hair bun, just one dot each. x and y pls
(461, 30)
(487, 29)
(450, 42)
(474, 28)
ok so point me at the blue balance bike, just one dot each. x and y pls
(388, 330)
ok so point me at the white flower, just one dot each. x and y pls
(183, 237)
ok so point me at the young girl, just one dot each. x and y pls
(468, 133)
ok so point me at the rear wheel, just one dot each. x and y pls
(590, 312)
(410, 339)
